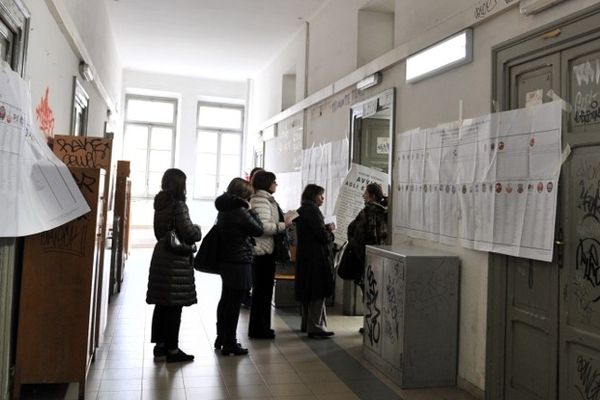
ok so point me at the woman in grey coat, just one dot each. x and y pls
(171, 280)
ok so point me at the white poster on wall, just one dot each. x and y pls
(350, 198)
(326, 165)
(488, 183)
(37, 191)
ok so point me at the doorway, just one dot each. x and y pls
(544, 318)
(371, 144)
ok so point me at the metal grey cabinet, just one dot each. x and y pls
(411, 314)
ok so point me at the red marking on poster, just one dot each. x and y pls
(45, 116)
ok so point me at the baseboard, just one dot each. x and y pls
(470, 388)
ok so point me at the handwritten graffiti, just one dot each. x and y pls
(587, 258)
(588, 170)
(45, 116)
(590, 380)
(587, 72)
(85, 182)
(68, 238)
(586, 110)
(589, 201)
(84, 152)
(373, 312)
(393, 307)
(484, 8)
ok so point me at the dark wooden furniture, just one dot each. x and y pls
(59, 290)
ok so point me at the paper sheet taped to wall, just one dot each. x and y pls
(37, 191)
(488, 183)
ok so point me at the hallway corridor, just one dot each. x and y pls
(290, 367)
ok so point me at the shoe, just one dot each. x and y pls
(159, 352)
(236, 350)
(266, 335)
(320, 335)
(218, 343)
(180, 356)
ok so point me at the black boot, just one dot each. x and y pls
(234, 350)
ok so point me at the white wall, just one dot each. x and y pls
(52, 63)
(436, 100)
(375, 35)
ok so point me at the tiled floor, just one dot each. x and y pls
(289, 367)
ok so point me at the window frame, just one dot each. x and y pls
(220, 132)
(149, 125)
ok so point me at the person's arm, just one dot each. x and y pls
(264, 210)
(186, 229)
(314, 224)
(250, 222)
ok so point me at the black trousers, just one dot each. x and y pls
(228, 313)
(263, 276)
(166, 321)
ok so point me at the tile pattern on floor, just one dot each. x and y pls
(291, 367)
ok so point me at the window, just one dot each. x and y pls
(150, 124)
(79, 114)
(218, 147)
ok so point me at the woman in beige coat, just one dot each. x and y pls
(263, 269)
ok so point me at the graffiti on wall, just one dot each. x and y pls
(45, 116)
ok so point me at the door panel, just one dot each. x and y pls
(579, 365)
(532, 286)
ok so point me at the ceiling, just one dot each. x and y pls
(217, 39)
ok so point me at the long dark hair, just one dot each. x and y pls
(375, 190)
(173, 182)
(311, 191)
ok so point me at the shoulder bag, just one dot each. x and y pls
(207, 258)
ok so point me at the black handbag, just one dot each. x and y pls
(281, 241)
(175, 244)
(350, 266)
(207, 258)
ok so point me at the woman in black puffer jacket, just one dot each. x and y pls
(237, 225)
(171, 281)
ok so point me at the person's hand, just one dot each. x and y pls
(288, 221)
(330, 227)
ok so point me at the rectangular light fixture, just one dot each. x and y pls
(449, 53)
(369, 81)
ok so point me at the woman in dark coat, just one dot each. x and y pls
(236, 224)
(368, 228)
(171, 280)
(314, 262)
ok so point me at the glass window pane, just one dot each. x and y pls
(160, 160)
(224, 182)
(154, 179)
(206, 164)
(138, 183)
(230, 165)
(207, 142)
(231, 143)
(150, 111)
(136, 137)
(161, 139)
(205, 186)
(220, 117)
(138, 160)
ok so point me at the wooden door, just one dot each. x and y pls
(532, 286)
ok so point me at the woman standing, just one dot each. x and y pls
(171, 281)
(263, 269)
(368, 228)
(236, 225)
(314, 262)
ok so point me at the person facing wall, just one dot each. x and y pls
(263, 269)
(171, 282)
(314, 262)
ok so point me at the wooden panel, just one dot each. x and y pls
(122, 203)
(55, 339)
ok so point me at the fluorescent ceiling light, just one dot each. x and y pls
(450, 53)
